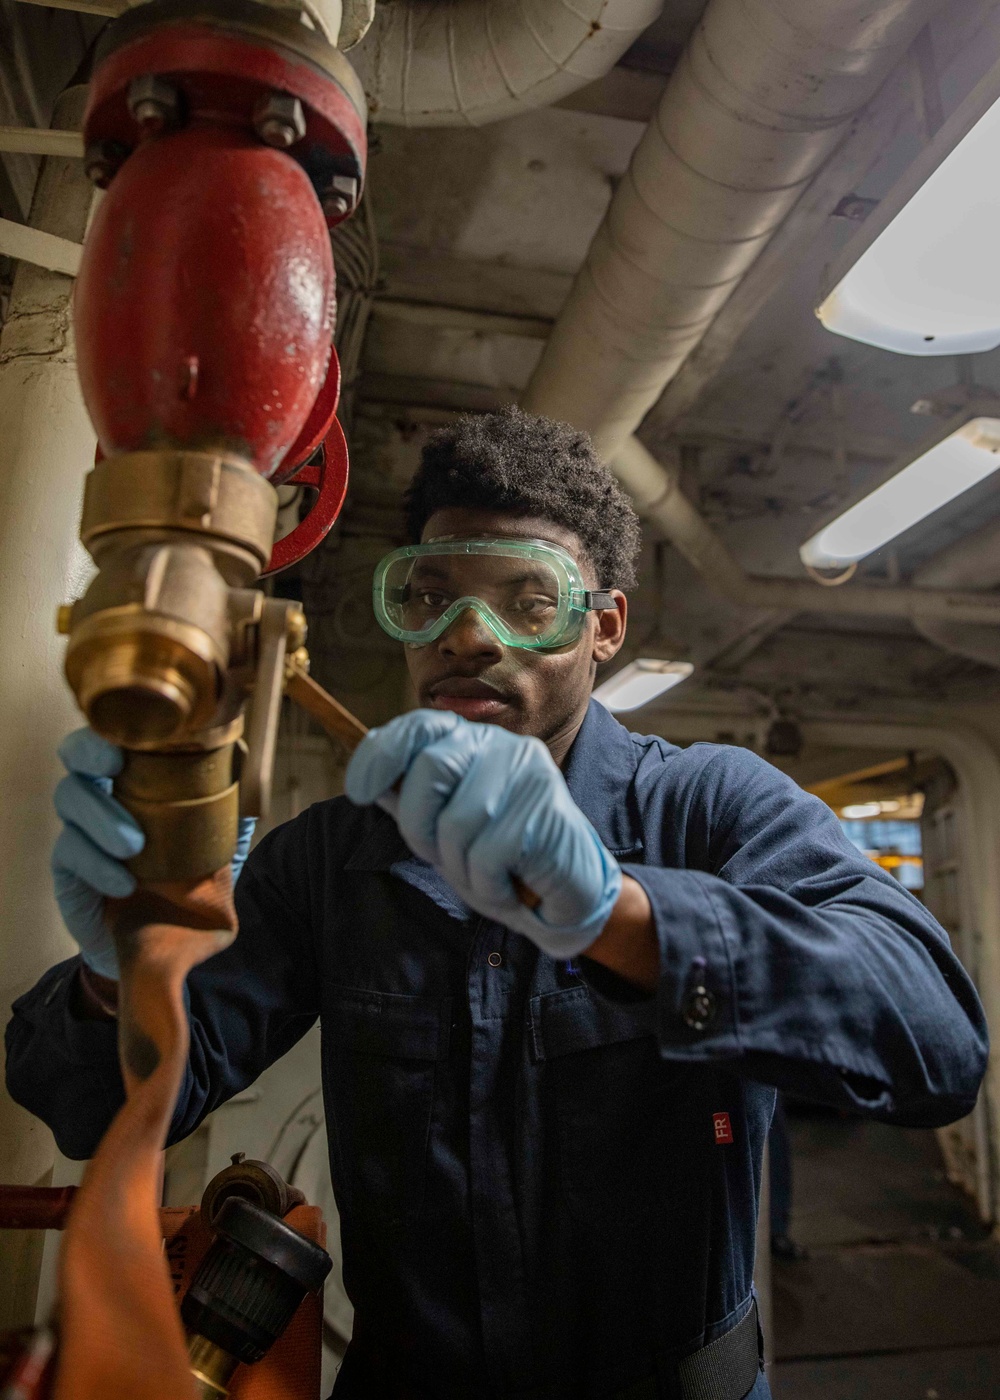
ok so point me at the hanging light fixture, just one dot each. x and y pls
(920, 275)
(640, 682)
(961, 453)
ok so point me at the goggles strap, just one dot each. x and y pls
(599, 601)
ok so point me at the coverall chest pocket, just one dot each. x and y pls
(608, 1094)
(381, 1060)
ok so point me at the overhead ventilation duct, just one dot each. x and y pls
(763, 94)
(469, 62)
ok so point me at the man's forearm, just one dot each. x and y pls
(627, 944)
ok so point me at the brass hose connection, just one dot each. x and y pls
(169, 640)
(171, 533)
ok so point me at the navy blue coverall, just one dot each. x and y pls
(539, 1196)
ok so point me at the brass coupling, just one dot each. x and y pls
(174, 534)
(188, 807)
(211, 1367)
(149, 644)
(169, 641)
(186, 797)
(213, 499)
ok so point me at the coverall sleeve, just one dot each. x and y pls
(247, 1007)
(820, 973)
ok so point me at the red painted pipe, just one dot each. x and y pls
(204, 308)
(35, 1207)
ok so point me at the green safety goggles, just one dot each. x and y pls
(529, 594)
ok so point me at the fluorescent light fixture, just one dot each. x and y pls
(963, 453)
(920, 275)
(861, 811)
(641, 681)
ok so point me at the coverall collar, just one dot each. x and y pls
(600, 774)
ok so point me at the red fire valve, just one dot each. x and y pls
(205, 305)
(229, 138)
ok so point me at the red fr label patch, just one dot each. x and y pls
(722, 1127)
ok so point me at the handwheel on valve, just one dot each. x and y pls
(329, 476)
(321, 433)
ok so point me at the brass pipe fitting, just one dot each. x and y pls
(166, 643)
(211, 1367)
(171, 533)
(214, 499)
(149, 644)
(188, 806)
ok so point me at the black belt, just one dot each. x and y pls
(725, 1369)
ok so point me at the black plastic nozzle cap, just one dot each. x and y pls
(251, 1281)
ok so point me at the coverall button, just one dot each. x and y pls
(494, 959)
(699, 1008)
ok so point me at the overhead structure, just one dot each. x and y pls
(918, 277)
(763, 94)
(971, 562)
(659, 498)
(469, 62)
(956, 456)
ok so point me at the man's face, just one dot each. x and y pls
(470, 671)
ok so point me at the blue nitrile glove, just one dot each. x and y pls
(483, 805)
(98, 835)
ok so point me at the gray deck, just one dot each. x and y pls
(900, 1297)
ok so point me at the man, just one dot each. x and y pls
(554, 1004)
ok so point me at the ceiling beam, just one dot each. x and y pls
(41, 141)
(707, 432)
(459, 318)
(872, 132)
(33, 245)
(409, 391)
(108, 8)
(412, 273)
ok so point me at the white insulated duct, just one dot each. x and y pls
(469, 62)
(764, 92)
(659, 498)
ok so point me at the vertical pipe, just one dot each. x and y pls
(46, 446)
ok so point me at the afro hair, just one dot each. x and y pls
(525, 465)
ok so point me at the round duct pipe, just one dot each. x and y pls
(764, 92)
(469, 62)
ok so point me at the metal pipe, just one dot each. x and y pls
(35, 1207)
(34, 245)
(325, 15)
(40, 141)
(658, 496)
(763, 94)
(470, 62)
